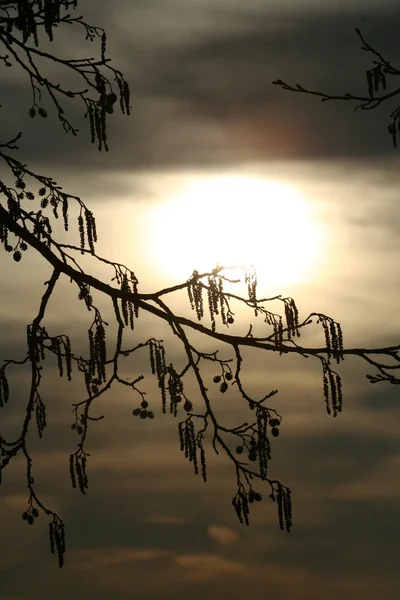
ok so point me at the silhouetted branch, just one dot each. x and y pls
(376, 78)
(212, 306)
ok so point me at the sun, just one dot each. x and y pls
(236, 221)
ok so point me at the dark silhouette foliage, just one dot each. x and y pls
(28, 208)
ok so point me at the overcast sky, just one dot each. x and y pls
(203, 108)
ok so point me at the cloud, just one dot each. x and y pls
(88, 559)
(166, 520)
(206, 100)
(222, 535)
(201, 567)
(365, 486)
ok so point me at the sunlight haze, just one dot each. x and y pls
(233, 220)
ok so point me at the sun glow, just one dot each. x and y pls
(236, 221)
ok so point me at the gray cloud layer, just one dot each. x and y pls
(207, 99)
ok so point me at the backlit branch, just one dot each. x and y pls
(29, 209)
(377, 81)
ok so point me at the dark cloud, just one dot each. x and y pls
(382, 400)
(342, 544)
(227, 79)
(342, 456)
(208, 100)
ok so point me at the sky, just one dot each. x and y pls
(216, 163)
